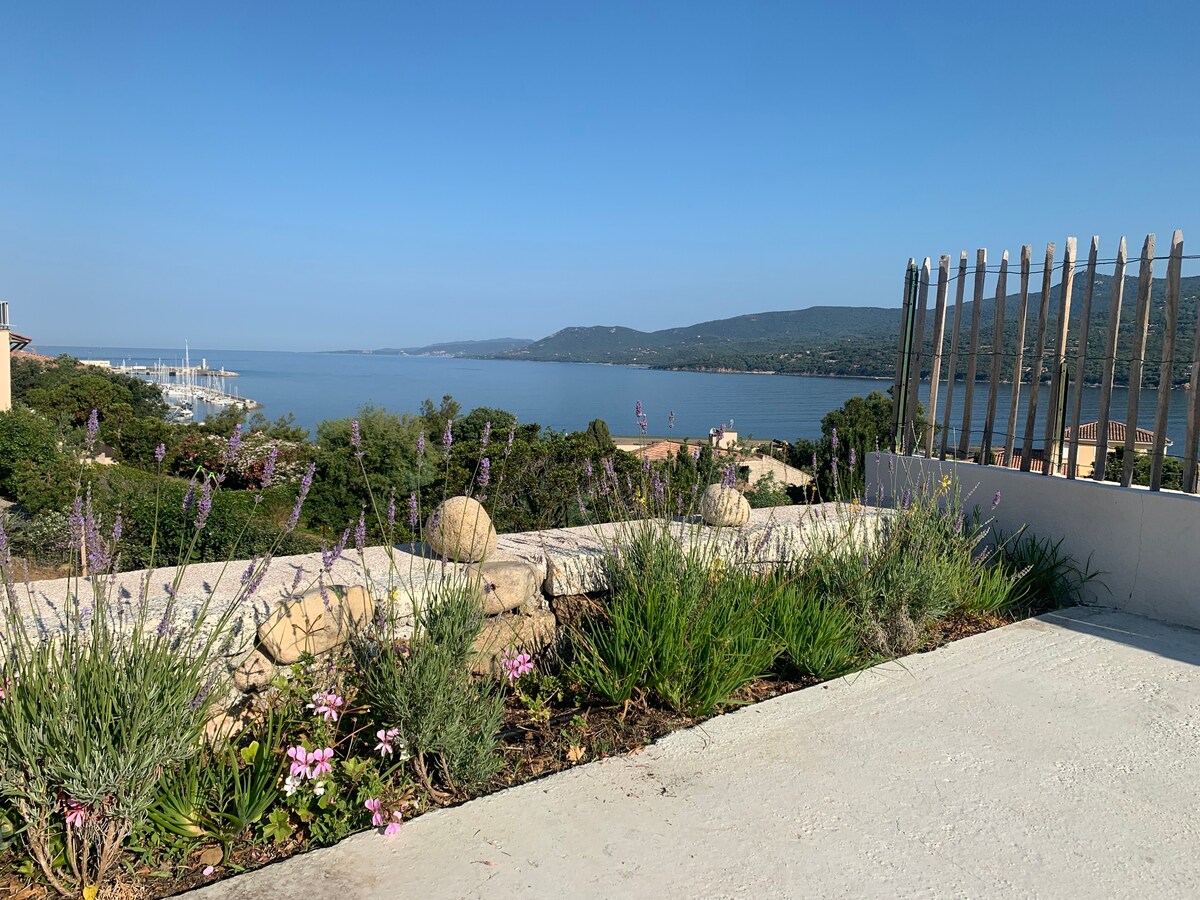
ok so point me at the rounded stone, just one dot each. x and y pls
(724, 506)
(461, 530)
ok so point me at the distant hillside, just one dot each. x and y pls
(861, 341)
(810, 340)
(488, 347)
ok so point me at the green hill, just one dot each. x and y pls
(861, 341)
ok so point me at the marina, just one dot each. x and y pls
(187, 389)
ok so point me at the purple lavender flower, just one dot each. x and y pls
(487, 433)
(234, 447)
(190, 496)
(833, 439)
(608, 467)
(448, 437)
(268, 474)
(305, 484)
(414, 513)
(249, 573)
(485, 472)
(587, 467)
(996, 500)
(906, 498)
(421, 444)
(958, 523)
(298, 578)
(671, 421)
(118, 525)
(204, 504)
(730, 478)
(360, 532)
(696, 453)
(76, 520)
(330, 555)
(658, 487)
(642, 423)
(853, 459)
(637, 410)
(93, 428)
(512, 433)
(160, 452)
(391, 513)
(646, 464)
(355, 435)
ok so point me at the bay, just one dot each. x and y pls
(566, 396)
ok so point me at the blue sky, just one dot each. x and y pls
(318, 176)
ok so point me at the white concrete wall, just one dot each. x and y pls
(1146, 543)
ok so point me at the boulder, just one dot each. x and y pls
(724, 506)
(461, 530)
(254, 673)
(315, 623)
(508, 584)
(524, 634)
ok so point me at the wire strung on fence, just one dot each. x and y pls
(1065, 352)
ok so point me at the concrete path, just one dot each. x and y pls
(1058, 757)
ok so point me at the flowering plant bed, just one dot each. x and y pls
(121, 775)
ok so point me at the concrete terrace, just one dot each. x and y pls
(1058, 757)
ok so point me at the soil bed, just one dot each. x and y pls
(549, 738)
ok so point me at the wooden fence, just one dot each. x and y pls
(1045, 375)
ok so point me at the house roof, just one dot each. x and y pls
(659, 450)
(1088, 434)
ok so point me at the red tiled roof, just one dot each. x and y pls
(1116, 434)
(659, 450)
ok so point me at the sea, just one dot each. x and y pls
(566, 396)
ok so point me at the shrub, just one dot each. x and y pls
(91, 719)
(422, 688)
(679, 627)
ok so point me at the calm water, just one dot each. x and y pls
(566, 396)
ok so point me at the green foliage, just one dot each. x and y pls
(1046, 576)
(222, 792)
(819, 635)
(389, 448)
(94, 716)
(767, 492)
(598, 431)
(67, 391)
(27, 441)
(1172, 472)
(862, 425)
(679, 627)
(447, 720)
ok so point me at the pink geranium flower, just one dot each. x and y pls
(76, 814)
(516, 664)
(319, 762)
(327, 704)
(377, 817)
(300, 759)
(394, 826)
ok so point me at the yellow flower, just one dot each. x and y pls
(944, 485)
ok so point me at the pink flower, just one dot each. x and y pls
(326, 704)
(76, 814)
(300, 762)
(387, 740)
(377, 818)
(319, 762)
(394, 826)
(515, 665)
(208, 870)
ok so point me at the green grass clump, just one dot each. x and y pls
(680, 628)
